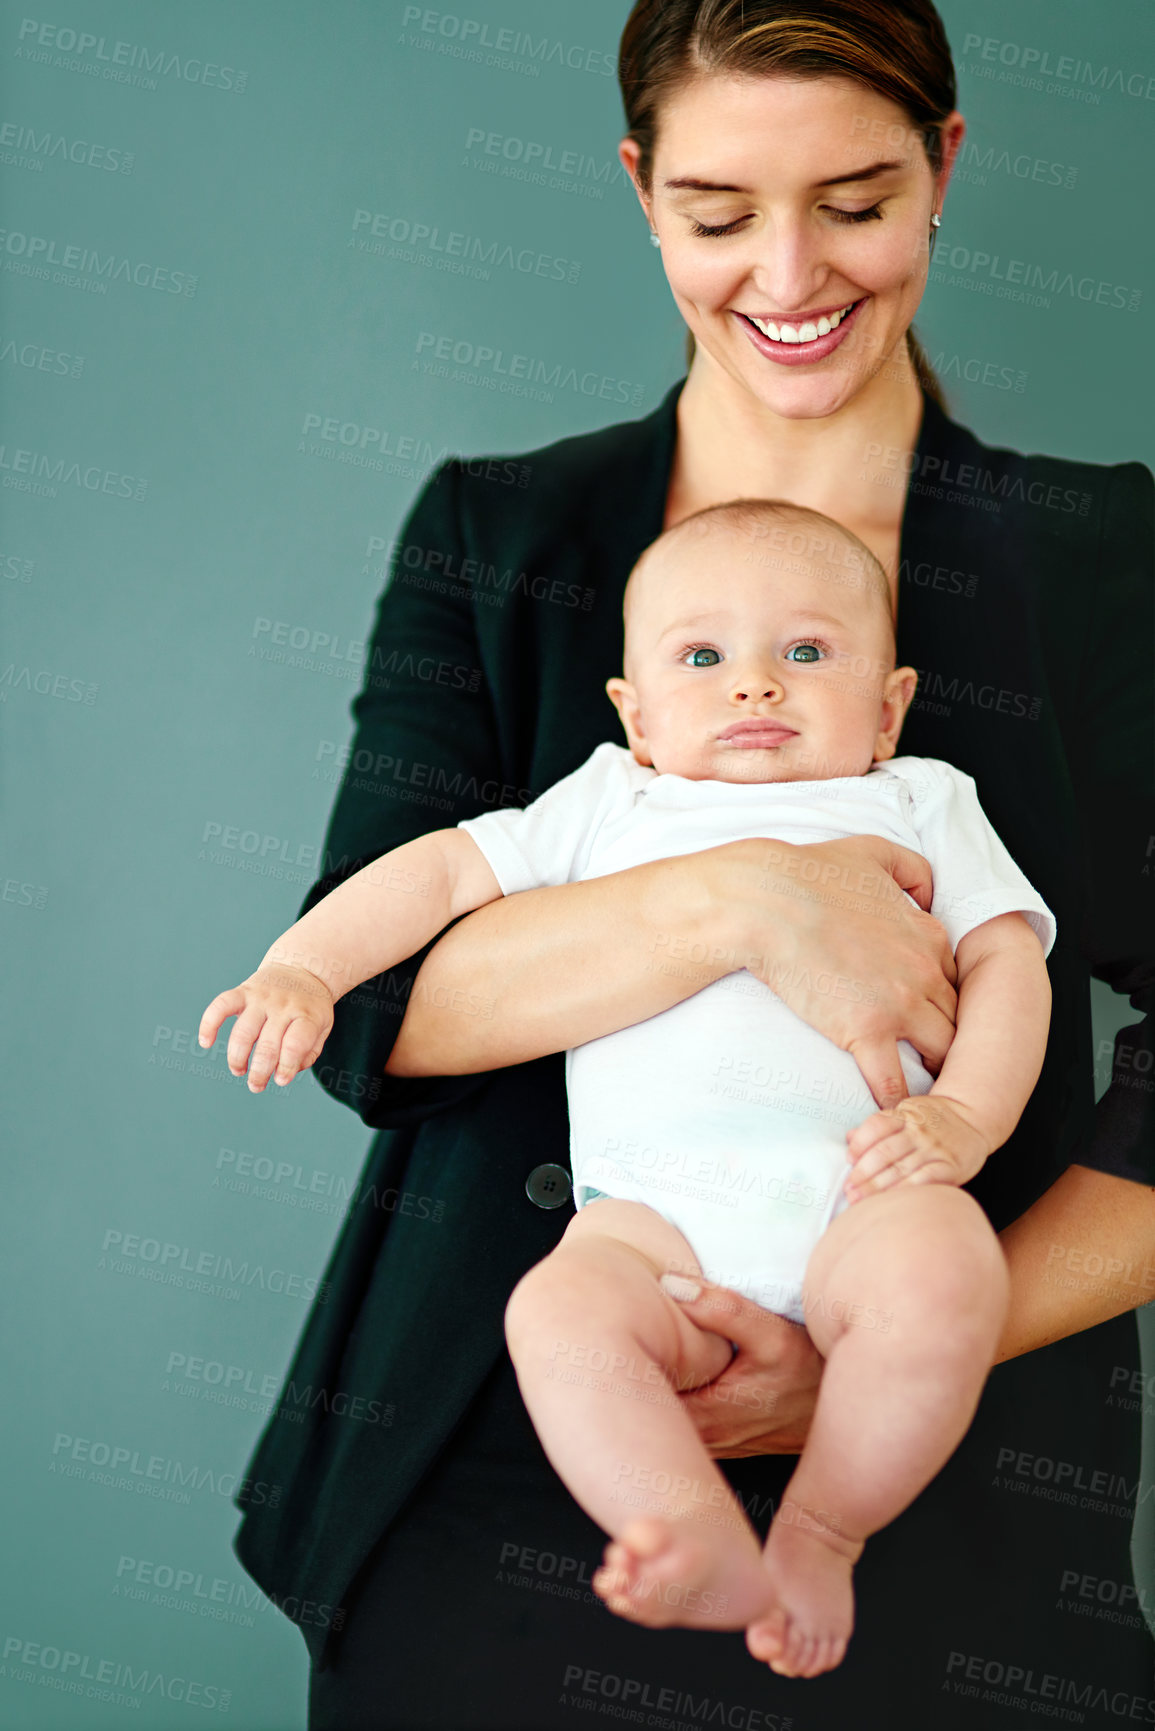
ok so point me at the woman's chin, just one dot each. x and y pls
(798, 398)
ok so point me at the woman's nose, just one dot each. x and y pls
(787, 268)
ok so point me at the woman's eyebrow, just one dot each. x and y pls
(687, 183)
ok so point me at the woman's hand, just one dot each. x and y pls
(284, 1015)
(763, 1402)
(831, 928)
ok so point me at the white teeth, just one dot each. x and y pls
(806, 333)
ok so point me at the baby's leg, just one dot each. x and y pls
(600, 1352)
(905, 1296)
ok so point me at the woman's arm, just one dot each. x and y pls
(1084, 1252)
(827, 926)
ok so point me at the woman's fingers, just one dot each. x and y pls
(877, 1058)
(931, 1031)
(910, 871)
(720, 1310)
(764, 1401)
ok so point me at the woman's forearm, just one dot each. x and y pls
(1084, 1252)
(547, 969)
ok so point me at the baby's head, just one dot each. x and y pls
(759, 646)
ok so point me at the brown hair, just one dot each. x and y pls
(897, 48)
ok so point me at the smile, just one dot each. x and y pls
(811, 339)
(807, 331)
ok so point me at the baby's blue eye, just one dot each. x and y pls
(805, 652)
(694, 654)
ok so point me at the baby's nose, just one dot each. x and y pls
(747, 689)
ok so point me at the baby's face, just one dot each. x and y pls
(751, 665)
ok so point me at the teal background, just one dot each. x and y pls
(128, 912)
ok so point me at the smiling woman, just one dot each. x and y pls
(881, 151)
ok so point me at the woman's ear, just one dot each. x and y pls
(629, 155)
(625, 700)
(951, 133)
(897, 696)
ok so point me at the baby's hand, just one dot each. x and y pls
(925, 1139)
(287, 1011)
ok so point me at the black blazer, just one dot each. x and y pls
(1027, 604)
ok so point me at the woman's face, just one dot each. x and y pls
(821, 195)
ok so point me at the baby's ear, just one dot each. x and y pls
(621, 694)
(625, 700)
(897, 697)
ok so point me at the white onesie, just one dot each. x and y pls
(727, 1113)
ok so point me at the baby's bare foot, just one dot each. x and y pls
(809, 1623)
(664, 1572)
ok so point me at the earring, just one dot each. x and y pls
(936, 219)
(935, 225)
(655, 239)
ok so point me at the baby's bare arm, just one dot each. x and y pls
(379, 916)
(388, 910)
(1004, 1013)
(994, 1060)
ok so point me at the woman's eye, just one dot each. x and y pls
(804, 652)
(701, 228)
(874, 213)
(855, 215)
(691, 657)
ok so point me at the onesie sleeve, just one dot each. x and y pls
(549, 841)
(975, 878)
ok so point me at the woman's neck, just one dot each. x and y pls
(851, 465)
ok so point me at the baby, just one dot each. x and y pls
(725, 1136)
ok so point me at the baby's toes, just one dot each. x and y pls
(645, 1538)
(824, 1656)
(796, 1650)
(766, 1639)
(616, 1575)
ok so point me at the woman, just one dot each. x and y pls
(792, 162)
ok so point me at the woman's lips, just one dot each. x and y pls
(798, 354)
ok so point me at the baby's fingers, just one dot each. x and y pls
(887, 1163)
(872, 1130)
(247, 1027)
(224, 1005)
(300, 1046)
(265, 1055)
